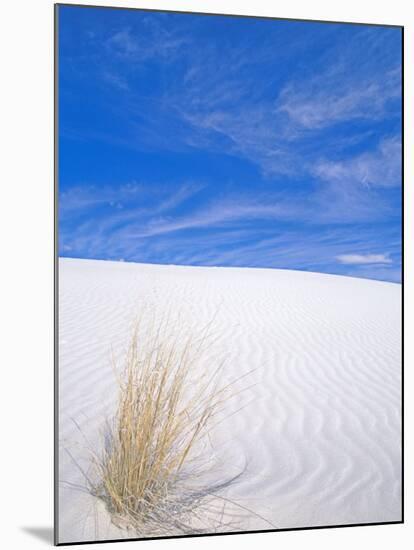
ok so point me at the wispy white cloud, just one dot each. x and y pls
(156, 197)
(380, 168)
(360, 259)
(115, 79)
(279, 129)
(251, 132)
(218, 214)
(311, 131)
(226, 232)
(321, 102)
(79, 198)
(215, 102)
(151, 40)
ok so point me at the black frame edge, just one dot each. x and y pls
(272, 18)
(402, 275)
(55, 278)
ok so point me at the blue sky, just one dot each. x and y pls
(205, 140)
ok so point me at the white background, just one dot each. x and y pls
(26, 271)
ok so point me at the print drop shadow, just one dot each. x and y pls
(44, 534)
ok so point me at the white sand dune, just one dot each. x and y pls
(319, 433)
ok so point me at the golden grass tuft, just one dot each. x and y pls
(165, 408)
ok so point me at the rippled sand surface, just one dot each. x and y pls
(317, 427)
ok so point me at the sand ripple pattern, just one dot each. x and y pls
(319, 431)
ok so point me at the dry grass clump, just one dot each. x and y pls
(152, 446)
